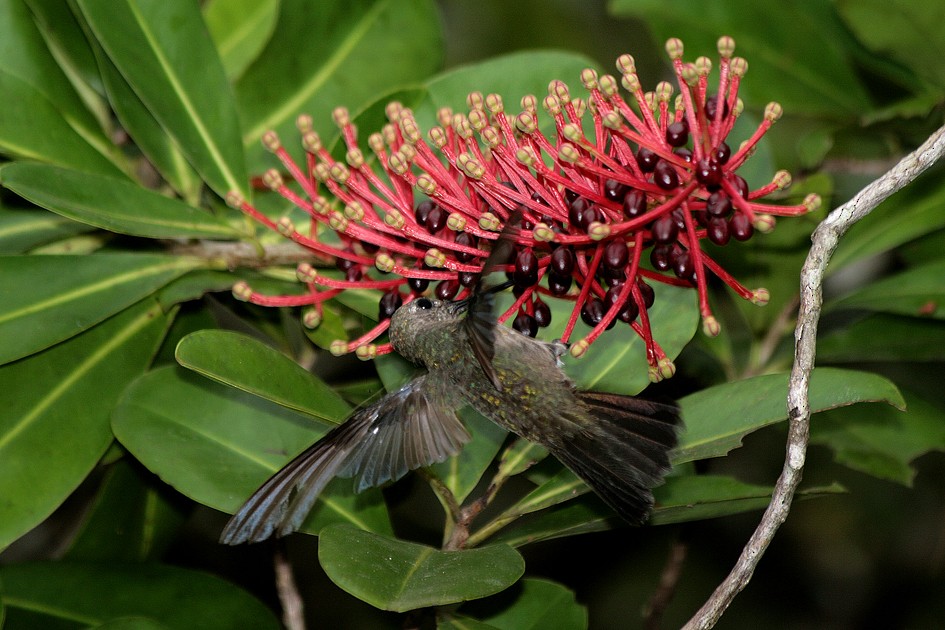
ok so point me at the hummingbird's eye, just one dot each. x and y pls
(423, 303)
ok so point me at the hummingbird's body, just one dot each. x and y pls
(618, 444)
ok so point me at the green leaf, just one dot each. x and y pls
(698, 497)
(462, 472)
(240, 29)
(452, 621)
(393, 574)
(165, 53)
(217, 444)
(884, 441)
(32, 128)
(90, 594)
(541, 604)
(37, 291)
(131, 519)
(352, 51)
(719, 417)
(110, 203)
(131, 623)
(55, 428)
(21, 230)
(250, 365)
(24, 54)
(917, 292)
(582, 516)
(519, 457)
(884, 338)
(800, 59)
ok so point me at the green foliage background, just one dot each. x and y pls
(140, 400)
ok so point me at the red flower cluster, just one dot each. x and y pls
(655, 175)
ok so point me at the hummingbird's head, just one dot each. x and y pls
(419, 327)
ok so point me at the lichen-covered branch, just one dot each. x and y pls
(824, 241)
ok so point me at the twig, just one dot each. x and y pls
(236, 254)
(669, 579)
(293, 616)
(824, 242)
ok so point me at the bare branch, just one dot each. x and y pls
(235, 254)
(293, 616)
(824, 242)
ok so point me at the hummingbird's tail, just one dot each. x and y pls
(624, 452)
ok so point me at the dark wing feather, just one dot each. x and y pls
(412, 427)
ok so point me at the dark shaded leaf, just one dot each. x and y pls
(918, 292)
(541, 604)
(240, 30)
(884, 338)
(21, 230)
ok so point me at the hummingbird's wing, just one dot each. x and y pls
(413, 427)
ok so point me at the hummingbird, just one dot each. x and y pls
(619, 445)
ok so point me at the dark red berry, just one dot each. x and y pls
(711, 106)
(526, 269)
(616, 255)
(468, 278)
(388, 303)
(709, 173)
(718, 205)
(576, 210)
(592, 312)
(722, 153)
(447, 289)
(646, 160)
(679, 218)
(353, 273)
(664, 175)
(664, 229)
(559, 285)
(344, 264)
(369, 248)
(542, 312)
(634, 203)
(683, 266)
(628, 310)
(423, 210)
(677, 133)
(418, 285)
(525, 324)
(562, 261)
(740, 227)
(740, 185)
(466, 240)
(646, 292)
(684, 153)
(717, 230)
(436, 219)
(700, 217)
(660, 257)
(614, 190)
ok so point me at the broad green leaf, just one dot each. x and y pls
(519, 457)
(240, 29)
(32, 128)
(453, 621)
(917, 210)
(46, 299)
(698, 497)
(132, 518)
(217, 444)
(90, 594)
(132, 623)
(250, 365)
(884, 338)
(56, 427)
(21, 230)
(541, 604)
(882, 441)
(908, 32)
(113, 204)
(800, 59)
(165, 53)
(582, 516)
(393, 574)
(918, 292)
(24, 54)
(194, 285)
(345, 53)
(719, 417)
(462, 472)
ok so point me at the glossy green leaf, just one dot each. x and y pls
(541, 604)
(240, 29)
(113, 204)
(520, 456)
(396, 575)
(132, 518)
(36, 293)
(884, 338)
(883, 441)
(799, 59)
(32, 128)
(165, 53)
(56, 427)
(719, 417)
(91, 593)
(217, 444)
(21, 230)
(250, 365)
(918, 292)
(353, 51)
(698, 497)
(582, 516)
(25, 55)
